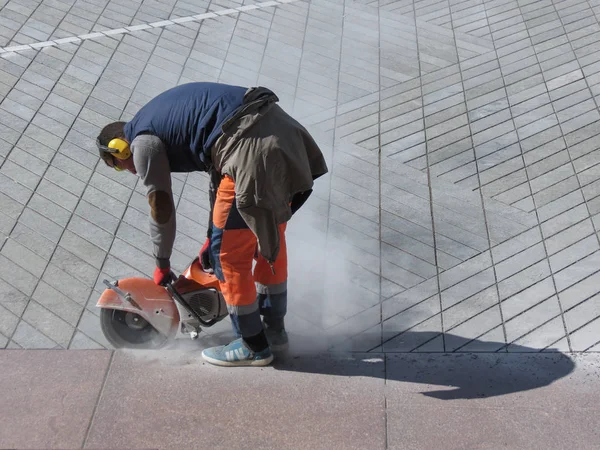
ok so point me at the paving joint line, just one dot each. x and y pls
(572, 264)
(440, 233)
(431, 339)
(514, 171)
(557, 199)
(145, 26)
(300, 64)
(590, 347)
(492, 306)
(266, 45)
(543, 190)
(585, 299)
(385, 398)
(503, 348)
(550, 346)
(431, 200)
(458, 181)
(524, 168)
(98, 399)
(411, 254)
(581, 327)
(408, 270)
(333, 138)
(380, 213)
(357, 231)
(383, 342)
(354, 181)
(571, 225)
(229, 43)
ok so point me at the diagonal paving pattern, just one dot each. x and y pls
(462, 210)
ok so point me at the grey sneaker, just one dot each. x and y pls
(278, 339)
(237, 353)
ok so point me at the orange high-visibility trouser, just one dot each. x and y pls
(233, 251)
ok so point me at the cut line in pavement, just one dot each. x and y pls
(139, 27)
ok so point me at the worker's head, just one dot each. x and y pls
(114, 148)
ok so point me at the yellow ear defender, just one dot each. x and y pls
(116, 148)
(119, 148)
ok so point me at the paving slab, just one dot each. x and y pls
(448, 428)
(48, 397)
(169, 399)
(172, 399)
(490, 401)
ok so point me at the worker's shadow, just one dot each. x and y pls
(461, 375)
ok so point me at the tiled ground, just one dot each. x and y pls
(463, 206)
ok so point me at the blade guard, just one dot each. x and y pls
(150, 301)
(205, 279)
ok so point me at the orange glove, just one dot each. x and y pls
(162, 276)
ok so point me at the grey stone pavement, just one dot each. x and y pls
(463, 206)
(445, 276)
(121, 399)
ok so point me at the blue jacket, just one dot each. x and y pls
(188, 120)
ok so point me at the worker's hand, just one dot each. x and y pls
(204, 256)
(162, 276)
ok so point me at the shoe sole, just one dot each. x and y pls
(252, 362)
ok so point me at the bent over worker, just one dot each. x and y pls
(262, 165)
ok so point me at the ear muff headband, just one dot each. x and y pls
(119, 148)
